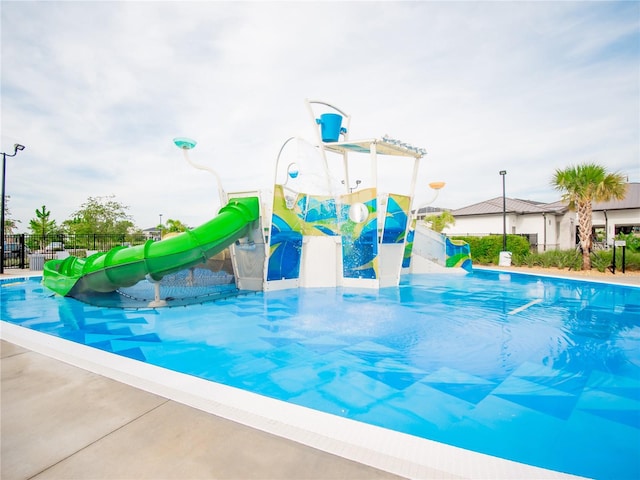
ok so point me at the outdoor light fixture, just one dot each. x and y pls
(436, 187)
(186, 144)
(16, 148)
(504, 212)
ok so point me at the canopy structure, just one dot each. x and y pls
(382, 146)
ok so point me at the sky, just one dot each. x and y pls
(97, 91)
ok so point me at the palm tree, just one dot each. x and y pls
(175, 226)
(171, 226)
(441, 221)
(582, 185)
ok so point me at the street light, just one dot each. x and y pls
(503, 173)
(16, 147)
(160, 226)
(186, 144)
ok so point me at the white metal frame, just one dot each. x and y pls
(373, 147)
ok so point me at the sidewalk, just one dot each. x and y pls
(63, 422)
(20, 272)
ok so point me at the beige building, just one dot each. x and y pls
(548, 226)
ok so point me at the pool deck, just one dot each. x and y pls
(63, 421)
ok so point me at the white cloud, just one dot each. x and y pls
(97, 90)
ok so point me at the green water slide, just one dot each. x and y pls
(126, 266)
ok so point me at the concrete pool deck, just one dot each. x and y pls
(62, 421)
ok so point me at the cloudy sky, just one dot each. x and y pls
(98, 90)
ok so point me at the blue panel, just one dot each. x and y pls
(286, 250)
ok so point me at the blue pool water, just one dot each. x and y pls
(534, 369)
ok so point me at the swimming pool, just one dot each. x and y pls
(533, 369)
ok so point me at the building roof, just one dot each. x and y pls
(515, 205)
(630, 201)
(426, 210)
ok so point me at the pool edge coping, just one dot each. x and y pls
(556, 275)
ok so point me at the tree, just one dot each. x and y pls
(582, 185)
(101, 215)
(173, 226)
(41, 225)
(441, 221)
(9, 223)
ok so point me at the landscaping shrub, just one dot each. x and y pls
(633, 242)
(601, 260)
(632, 261)
(486, 250)
(572, 259)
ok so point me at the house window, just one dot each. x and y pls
(627, 229)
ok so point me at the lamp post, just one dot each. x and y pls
(503, 173)
(16, 147)
(186, 144)
(160, 226)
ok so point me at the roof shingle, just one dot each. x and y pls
(515, 205)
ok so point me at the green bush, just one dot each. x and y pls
(527, 260)
(486, 250)
(632, 261)
(633, 242)
(601, 260)
(549, 259)
(572, 259)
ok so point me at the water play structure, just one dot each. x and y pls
(321, 231)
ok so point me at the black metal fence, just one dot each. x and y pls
(19, 250)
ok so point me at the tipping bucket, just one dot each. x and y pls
(330, 127)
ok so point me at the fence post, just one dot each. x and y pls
(22, 250)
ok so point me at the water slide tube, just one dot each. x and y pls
(126, 266)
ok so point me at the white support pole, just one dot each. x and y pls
(157, 301)
(374, 165)
(414, 177)
(221, 193)
(345, 163)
